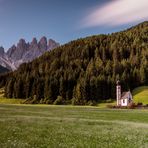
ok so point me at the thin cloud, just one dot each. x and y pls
(117, 12)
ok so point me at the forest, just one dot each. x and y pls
(83, 71)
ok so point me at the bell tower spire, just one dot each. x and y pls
(118, 93)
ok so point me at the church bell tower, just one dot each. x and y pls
(118, 93)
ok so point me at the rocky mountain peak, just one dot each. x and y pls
(43, 43)
(11, 50)
(43, 40)
(22, 41)
(21, 44)
(34, 41)
(34, 44)
(52, 44)
(16, 52)
(25, 52)
(2, 51)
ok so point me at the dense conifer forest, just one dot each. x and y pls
(83, 71)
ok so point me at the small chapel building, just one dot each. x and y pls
(123, 99)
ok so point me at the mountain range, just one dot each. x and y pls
(25, 52)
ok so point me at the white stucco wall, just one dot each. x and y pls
(124, 102)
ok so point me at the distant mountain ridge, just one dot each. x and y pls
(25, 52)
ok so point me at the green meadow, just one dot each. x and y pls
(141, 94)
(43, 126)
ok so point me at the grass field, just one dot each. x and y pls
(141, 94)
(28, 126)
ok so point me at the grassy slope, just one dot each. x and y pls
(141, 94)
(4, 100)
(65, 126)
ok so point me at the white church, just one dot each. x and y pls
(123, 99)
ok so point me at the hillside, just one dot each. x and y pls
(141, 94)
(84, 71)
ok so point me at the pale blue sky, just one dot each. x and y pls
(61, 20)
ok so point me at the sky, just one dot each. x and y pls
(66, 20)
